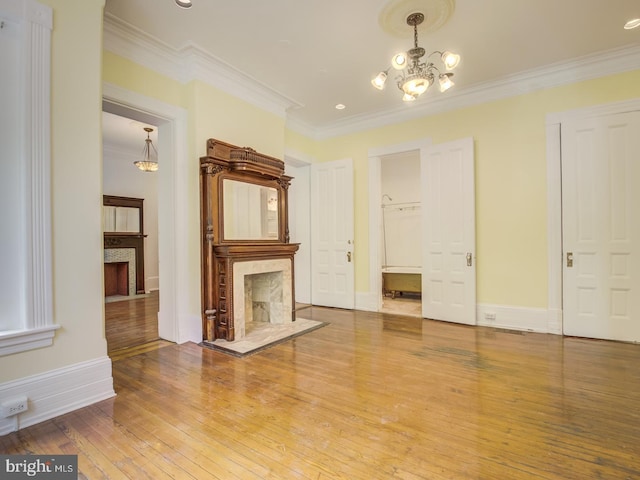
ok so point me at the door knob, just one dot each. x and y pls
(349, 257)
(469, 259)
(569, 259)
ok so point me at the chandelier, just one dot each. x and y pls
(147, 164)
(416, 76)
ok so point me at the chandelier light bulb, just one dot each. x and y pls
(399, 61)
(415, 86)
(380, 80)
(408, 98)
(631, 24)
(450, 60)
(445, 81)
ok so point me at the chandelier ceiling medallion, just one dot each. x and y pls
(415, 75)
(149, 162)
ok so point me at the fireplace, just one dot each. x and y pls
(262, 293)
(125, 258)
(247, 257)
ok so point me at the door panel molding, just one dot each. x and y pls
(554, 206)
(332, 234)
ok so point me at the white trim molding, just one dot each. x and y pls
(57, 392)
(37, 328)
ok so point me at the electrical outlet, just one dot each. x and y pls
(14, 406)
(490, 316)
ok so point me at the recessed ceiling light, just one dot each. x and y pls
(184, 3)
(340, 106)
(632, 24)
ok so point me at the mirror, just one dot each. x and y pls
(121, 219)
(250, 211)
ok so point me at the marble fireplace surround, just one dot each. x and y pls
(273, 289)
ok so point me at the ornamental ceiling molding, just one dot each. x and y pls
(190, 63)
(193, 63)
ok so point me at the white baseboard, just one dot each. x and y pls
(489, 315)
(190, 329)
(151, 284)
(516, 318)
(57, 392)
(367, 301)
(555, 321)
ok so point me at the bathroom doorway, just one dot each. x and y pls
(401, 225)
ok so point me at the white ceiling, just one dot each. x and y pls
(321, 53)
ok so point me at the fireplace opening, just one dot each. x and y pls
(262, 294)
(120, 256)
(116, 278)
(263, 299)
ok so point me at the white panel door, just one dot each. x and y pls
(601, 227)
(448, 257)
(332, 267)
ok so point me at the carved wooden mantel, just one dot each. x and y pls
(219, 252)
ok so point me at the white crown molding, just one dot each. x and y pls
(589, 67)
(190, 63)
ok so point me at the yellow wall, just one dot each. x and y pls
(511, 217)
(76, 153)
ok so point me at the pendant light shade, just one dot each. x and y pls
(149, 162)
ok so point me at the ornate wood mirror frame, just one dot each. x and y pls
(266, 190)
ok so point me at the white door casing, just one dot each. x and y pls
(300, 228)
(448, 206)
(601, 228)
(332, 228)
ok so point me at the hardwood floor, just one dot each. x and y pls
(370, 396)
(131, 326)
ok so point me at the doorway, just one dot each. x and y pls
(131, 260)
(401, 241)
(178, 320)
(448, 275)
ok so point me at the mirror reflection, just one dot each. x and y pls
(250, 211)
(121, 219)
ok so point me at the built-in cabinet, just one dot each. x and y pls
(244, 218)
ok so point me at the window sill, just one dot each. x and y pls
(14, 341)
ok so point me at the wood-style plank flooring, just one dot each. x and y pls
(370, 396)
(131, 326)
